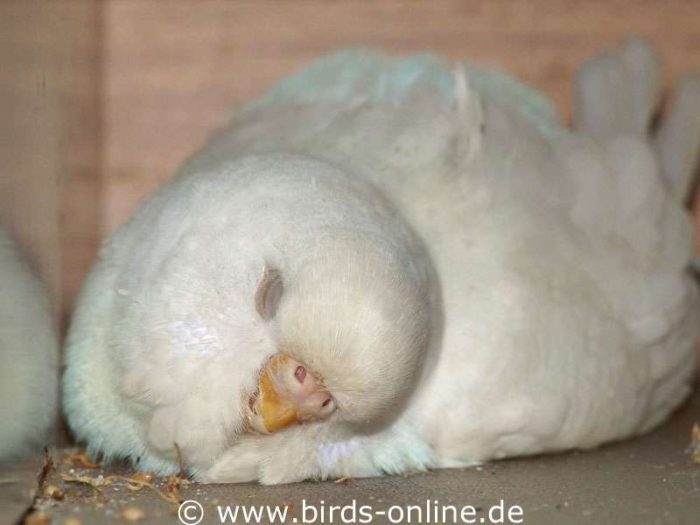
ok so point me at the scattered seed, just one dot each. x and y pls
(38, 518)
(148, 477)
(54, 492)
(133, 514)
(79, 459)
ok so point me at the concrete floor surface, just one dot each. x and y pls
(649, 480)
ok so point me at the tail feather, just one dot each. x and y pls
(618, 92)
(677, 140)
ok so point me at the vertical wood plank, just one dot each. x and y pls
(48, 136)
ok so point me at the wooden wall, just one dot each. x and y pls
(49, 143)
(102, 100)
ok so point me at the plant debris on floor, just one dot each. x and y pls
(77, 481)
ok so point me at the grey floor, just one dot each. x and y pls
(649, 480)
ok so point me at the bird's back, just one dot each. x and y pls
(563, 257)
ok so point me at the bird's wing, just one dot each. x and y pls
(355, 75)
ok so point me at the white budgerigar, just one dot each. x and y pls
(387, 265)
(28, 358)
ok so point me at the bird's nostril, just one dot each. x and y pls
(300, 374)
(326, 402)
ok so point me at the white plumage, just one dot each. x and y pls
(28, 358)
(468, 278)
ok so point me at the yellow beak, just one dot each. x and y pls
(276, 411)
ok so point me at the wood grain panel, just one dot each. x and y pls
(48, 136)
(175, 68)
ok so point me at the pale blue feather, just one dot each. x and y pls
(358, 74)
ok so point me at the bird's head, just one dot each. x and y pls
(302, 298)
(351, 330)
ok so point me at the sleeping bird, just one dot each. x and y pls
(387, 265)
